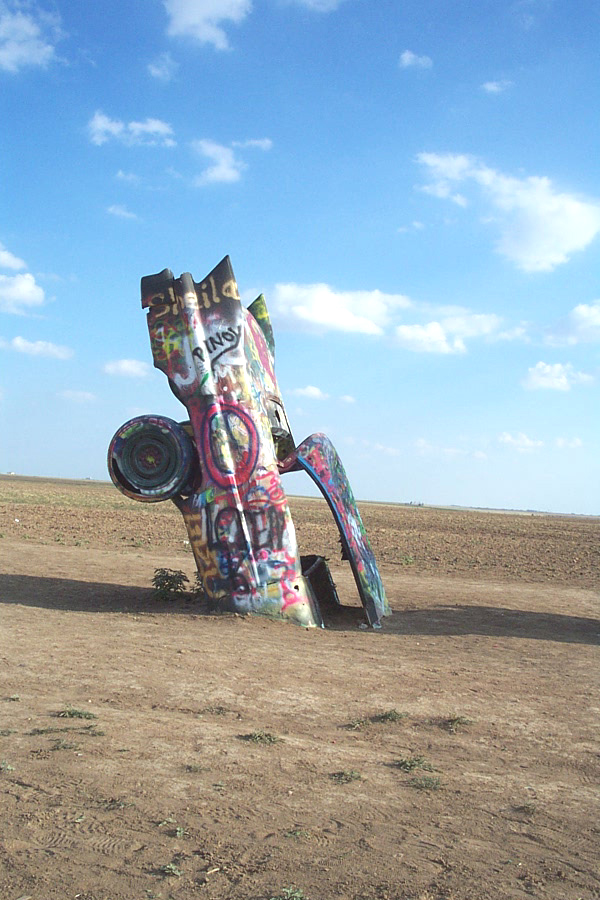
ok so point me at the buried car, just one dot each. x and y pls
(223, 467)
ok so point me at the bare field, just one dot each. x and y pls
(151, 751)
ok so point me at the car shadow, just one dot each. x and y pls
(442, 620)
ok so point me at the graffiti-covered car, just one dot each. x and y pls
(223, 466)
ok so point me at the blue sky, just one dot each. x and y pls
(413, 185)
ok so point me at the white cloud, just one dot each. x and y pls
(37, 348)
(259, 143)
(319, 5)
(9, 261)
(19, 293)
(121, 212)
(201, 20)
(128, 177)
(347, 398)
(314, 393)
(568, 443)
(149, 133)
(520, 442)
(226, 167)
(554, 377)
(27, 37)
(319, 307)
(425, 448)
(78, 396)
(540, 227)
(410, 60)
(581, 326)
(429, 338)
(163, 68)
(496, 87)
(128, 368)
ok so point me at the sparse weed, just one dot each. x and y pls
(14, 698)
(261, 737)
(170, 869)
(214, 711)
(455, 724)
(60, 744)
(69, 712)
(406, 560)
(390, 715)
(6, 766)
(298, 833)
(5, 732)
(426, 783)
(194, 767)
(410, 763)
(359, 724)
(345, 776)
(169, 584)
(290, 893)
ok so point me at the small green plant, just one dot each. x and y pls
(410, 763)
(6, 766)
(359, 724)
(390, 715)
(71, 713)
(169, 584)
(5, 732)
(290, 893)
(261, 737)
(298, 833)
(170, 869)
(60, 744)
(455, 724)
(214, 711)
(14, 698)
(345, 776)
(194, 767)
(426, 783)
(407, 560)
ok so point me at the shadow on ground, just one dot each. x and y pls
(456, 619)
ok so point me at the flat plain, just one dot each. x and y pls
(150, 749)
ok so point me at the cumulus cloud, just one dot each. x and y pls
(410, 60)
(568, 443)
(37, 348)
(540, 226)
(426, 448)
(149, 133)
(78, 396)
(203, 20)
(121, 212)
(554, 377)
(520, 442)
(127, 368)
(19, 293)
(429, 338)
(581, 326)
(447, 335)
(9, 261)
(319, 307)
(163, 68)
(314, 393)
(496, 87)
(348, 398)
(226, 166)
(27, 37)
(319, 5)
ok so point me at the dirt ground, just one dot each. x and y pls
(151, 750)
